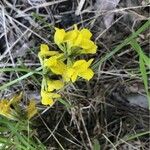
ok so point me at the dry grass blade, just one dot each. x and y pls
(96, 114)
(44, 5)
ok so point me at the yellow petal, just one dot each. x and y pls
(44, 51)
(83, 38)
(59, 36)
(31, 109)
(74, 77)
(78, 40)
(52, 61)
(59, 68)
(89, 62)
(48, 97)
(87, 44)
(46, 54)
(66, 75)
(47, 101)
(56, 66)
(86, 33)
(44, 48)
(54, 85)
(80, 65)
(5, 109)
(80, 68)
(89, 49)
(88, 74)
(71, 35)
(57, 71)
(71, 74)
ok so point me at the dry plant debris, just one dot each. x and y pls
(95, 114)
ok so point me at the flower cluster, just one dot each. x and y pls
(62, 67)
(12, 110)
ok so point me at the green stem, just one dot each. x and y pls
(19, 70)
(19, 79)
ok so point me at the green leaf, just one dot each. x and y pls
(96, 145)
(131, 137)
(143, 62)
(19, 79)
(140, 52)
(143, 72)
(123, 43)
(147, 60)
(144, 77)
(65, 103)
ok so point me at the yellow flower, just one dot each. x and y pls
(55, 65)
(54, 85)
(44, 51)
(80, 68)
(31, 109)
(48, 97)
(71, 36)
(62, 36)
(86, 33)
(5, 104)
(59, 36)
(88, 47)
(5, 109)
(76, 38)
(83, 41)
